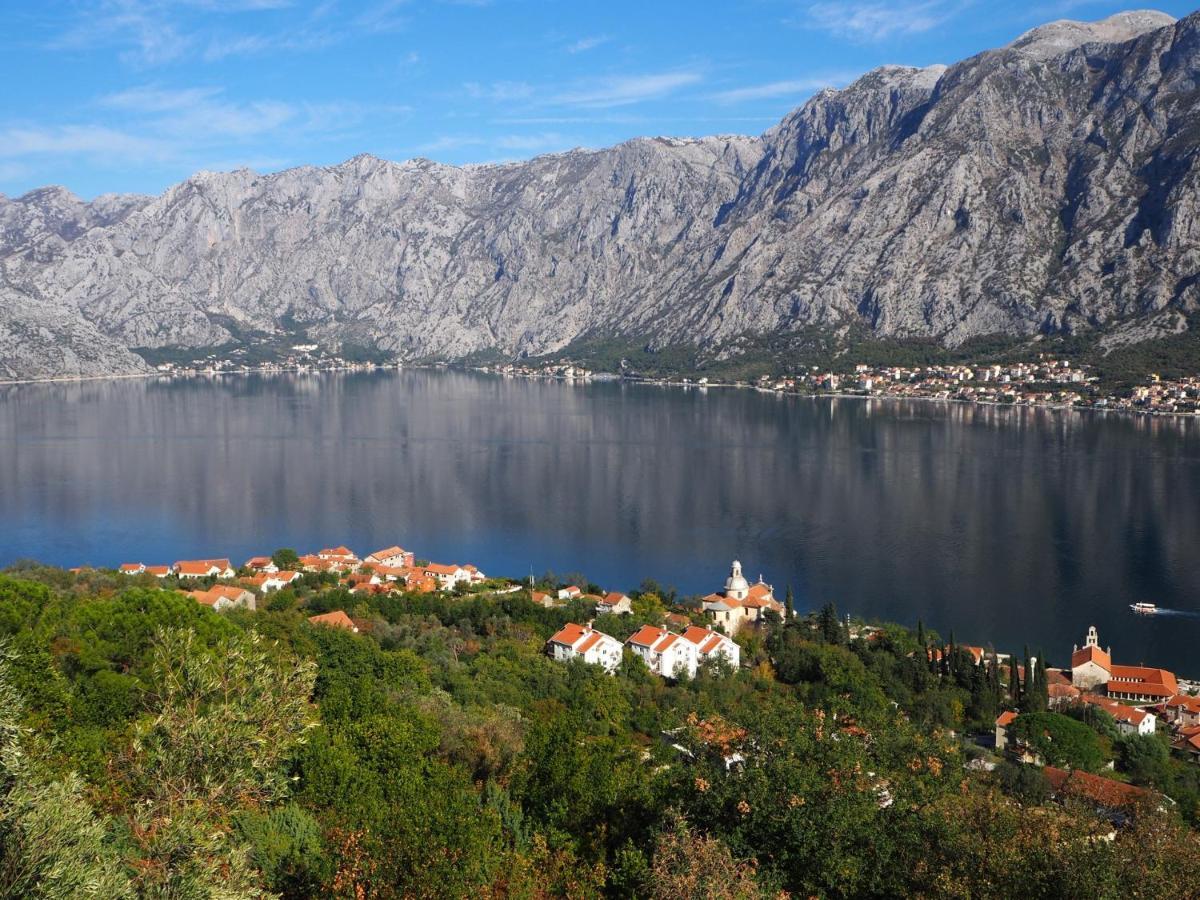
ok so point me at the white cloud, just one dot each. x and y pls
(588, 43)
(873, 20)
(384, 16)
(145, 35)
(78, 140)
(790, 88)
(500, 90)
(627, 89)
(199, 113)
(185, 129)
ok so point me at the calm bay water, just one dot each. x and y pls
(1005, 525)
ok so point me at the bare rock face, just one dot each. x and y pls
(1049, 184)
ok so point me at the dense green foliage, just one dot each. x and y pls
(151, 747)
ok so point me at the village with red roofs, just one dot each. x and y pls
(1141, 700)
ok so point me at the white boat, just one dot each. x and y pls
(1145, 609)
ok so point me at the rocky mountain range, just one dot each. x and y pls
(1048, 185)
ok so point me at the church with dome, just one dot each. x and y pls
(741, 603)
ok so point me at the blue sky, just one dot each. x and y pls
(133, 95)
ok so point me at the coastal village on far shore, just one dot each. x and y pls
(702, 634)
(1044, 382)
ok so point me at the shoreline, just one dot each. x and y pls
(595, 377)
(848, 395)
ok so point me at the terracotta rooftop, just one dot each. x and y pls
(1102, 791)
(1091, 654)
(646, 636)
(569, 634)
(335, 619)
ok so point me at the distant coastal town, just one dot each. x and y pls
(1045, 382)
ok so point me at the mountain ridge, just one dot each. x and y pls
(1046, 186)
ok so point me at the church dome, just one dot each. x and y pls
(736, 585)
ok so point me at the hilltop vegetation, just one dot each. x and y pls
(150, 747)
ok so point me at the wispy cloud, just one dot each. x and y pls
(872, 20)
(77, 140)
(186, 129)
(501, 91)
(201, 113)
(588, 43)
(627, 89)
(140, 29)
(149, 33)
(384, 16)
(775, 89)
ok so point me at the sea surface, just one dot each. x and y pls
(1007, 526)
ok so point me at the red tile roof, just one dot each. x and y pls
(1142, 680)
(646, 636)
(388, 552)
(1184, 702)
(229, 591)
(589, 642)
(1118, 711)
(1103, 791)
(1006, 718)
(705, 639)
(335, 619)
(569, 634)
(1091, 654)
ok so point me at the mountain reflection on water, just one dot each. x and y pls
(1008, 525)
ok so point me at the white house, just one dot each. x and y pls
(132, 568)
(1182, 710)
(262, 564)
(267, 582)
(224, 596)
(713, 645)
(392, 557)
(617, 604)
(664, 653)
(447, 576)
(339, 554)
(1129, 719)
(569, 593)
(583, 641)
(204, 568)
(1004, 720)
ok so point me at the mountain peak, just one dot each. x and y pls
(1063, 36)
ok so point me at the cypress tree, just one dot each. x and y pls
(789, 604)
(827, 624)
(1043, 685)
(920, 633)
(1014, 680)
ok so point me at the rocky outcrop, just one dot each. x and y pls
(1050, 184)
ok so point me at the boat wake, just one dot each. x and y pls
(1182, 613)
